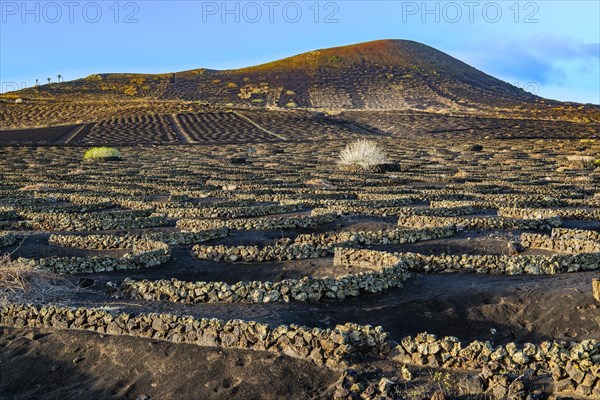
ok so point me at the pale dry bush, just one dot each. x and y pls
(364, 153)
(461, 174)
(583, 179)
(37, 187)
(580, 158)
(319, 183)
(20, 282)
(583, 161)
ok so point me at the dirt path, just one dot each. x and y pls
(76, 134)
(245, 118)
(178, 129)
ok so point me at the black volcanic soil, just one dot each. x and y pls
(105, 128)
(34, 136)
(520, 308)
(41, 364)
(498, 308)
(37, 246)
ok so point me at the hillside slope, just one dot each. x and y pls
(382, 75)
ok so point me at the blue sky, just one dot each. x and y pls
(548, 47)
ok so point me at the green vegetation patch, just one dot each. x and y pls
(94, 78)
(102, 153)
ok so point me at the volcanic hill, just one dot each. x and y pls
(378, 75)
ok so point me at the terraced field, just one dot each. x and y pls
(35, 136)
(132, 130)
(47, 113)
(221, 127)
(452, 127)
(465, 273)
(305, 126)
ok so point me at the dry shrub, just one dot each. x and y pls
(461, 174)
(38, 187)
(22, 283)
(319, 183)
(363, 153)
(580, 158)
(581, 161)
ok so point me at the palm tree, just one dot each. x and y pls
(59, 76)
(37, 82)
(49, 79)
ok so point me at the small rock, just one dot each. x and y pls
(350, 375)
(406, 374)
(516, 389)
(385, 385)
(471, 384)
(356, 388)
(583, 390)
(520, 358)
(77, 359)
(575, 372)
(514, 248)
(564, 385)
(596, 289)
(438, 395)
(369, 392)
(498, 392)
(486, 373)
(341, 393)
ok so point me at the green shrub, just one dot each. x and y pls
(94, 78)
(334, 60)
(102, 152)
